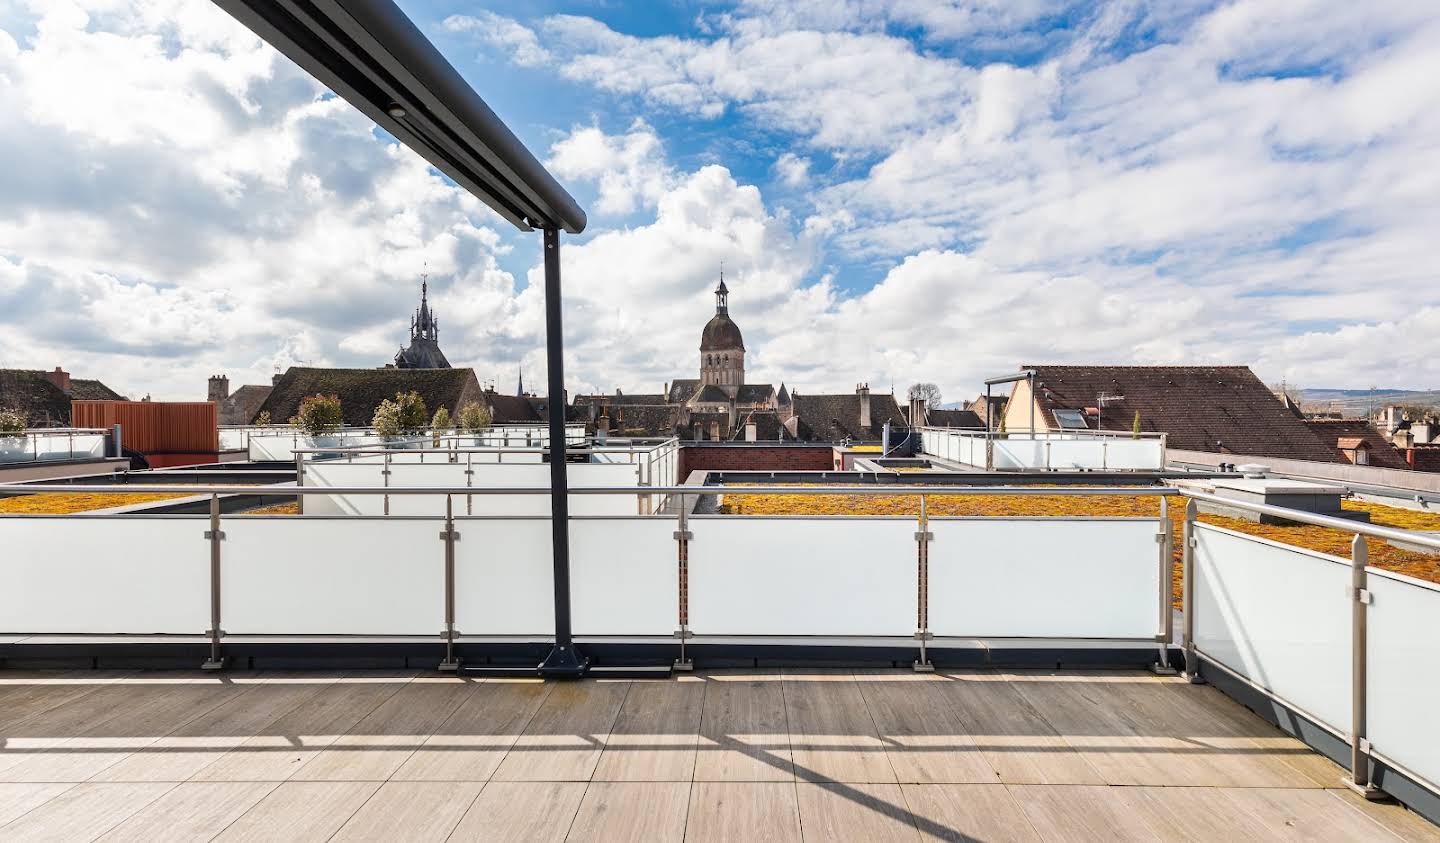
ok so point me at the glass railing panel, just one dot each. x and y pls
(353, 577)
(1277, 615)
(82, 575)
(504, 578)
(802, 576)
(1045, 577)
(624, 577)
(1403, 649)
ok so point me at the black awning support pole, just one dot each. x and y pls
(564, 661)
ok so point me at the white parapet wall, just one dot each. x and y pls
(441, 475)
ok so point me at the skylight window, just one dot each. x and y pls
(1071, 420)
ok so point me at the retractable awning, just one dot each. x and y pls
(372, 55)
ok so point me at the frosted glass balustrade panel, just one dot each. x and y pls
(80, 574)
(1277, 615)
(624, 576)
(802, 576)
(504, 578)
(332, 577)
(1403, 648)
(1044, 578)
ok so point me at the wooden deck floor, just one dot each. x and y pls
(803, 755)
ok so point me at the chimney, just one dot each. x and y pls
(60, 378)
(917, 412)
(749, 431)
(863, 390)
(219, 388)
(715, 431)
(603, 424)
(275, 379)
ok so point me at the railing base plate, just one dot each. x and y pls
(1369, 791)
(212, 664)
(1163, 670)
(923, 667)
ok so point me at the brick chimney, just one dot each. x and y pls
(917, 412)
(863, 390)
(219, 388)
(60, 378)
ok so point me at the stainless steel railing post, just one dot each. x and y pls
(300, 481)
(449, 536)
(1166, 539)
(1360, 600)
(385, 481)
(682, 543)
(214, 535)
(1187, 599)
(923, 537)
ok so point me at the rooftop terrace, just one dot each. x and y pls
(800, 755)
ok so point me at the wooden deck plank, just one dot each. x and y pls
(521, 812)
(925, 738)
(743, 733)
(645, 812)
(832, 735)
(1198, 814)
(472, 742)
(192, 811)
(1319, 770)
(128, 729)
(655, 736)
(968, 812)
(1080, 813)
(1019, 744)
(300, 811)
(724, 811)
(864, 813)
(286, 745)
(1403, 823)
(1092, 717)
(195, 745)
(26, 694)
(19, 799)
(1306, 814)
(410, 811)
(564, 739)
(83, 812)
(384, 739)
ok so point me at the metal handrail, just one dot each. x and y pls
(479, 449)
(1024, 435)
(941, 491)
(1361, 527)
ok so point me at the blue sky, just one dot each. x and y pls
(899, 191)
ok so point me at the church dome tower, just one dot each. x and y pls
(423, 352)
(722, 348)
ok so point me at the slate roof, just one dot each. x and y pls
(701, 422)
(644, 420)
(362, 390)
(831, 418)
(721, 334)
(421, 353)
(713, 394)
(620, 399)
(954, 418)
(43, 403)
(767, 426)
(1341, 434)
(755, 393)
(682, 388)
(240, 406)
(512, 409)
(1220, 409)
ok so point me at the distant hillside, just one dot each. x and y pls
(1358, 402)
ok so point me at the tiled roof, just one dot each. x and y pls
(1224, 409)
(755, 393)
(831, 418)
(767, 426)
(43, 403)
(712, 394)
(240, 406)
(362, 390)
(682, 389)
(509, 409)
(954, 418)
(1348, 434)
(644, 420)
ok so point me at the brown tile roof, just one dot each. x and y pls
(954, 418)
(362, 390)
(1224, 409)
(42, 402)
(831, 418)
(1349, 434)
(511, 409)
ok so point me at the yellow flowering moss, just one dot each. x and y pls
(61, 504)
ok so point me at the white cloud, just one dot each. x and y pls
(793, 170)
(630, 169)
(504, 33)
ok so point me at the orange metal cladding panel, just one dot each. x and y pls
(152, 427)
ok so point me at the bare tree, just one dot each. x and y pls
(929, 392)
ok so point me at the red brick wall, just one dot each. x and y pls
(756, 458)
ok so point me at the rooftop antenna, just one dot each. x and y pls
(1100, 401)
